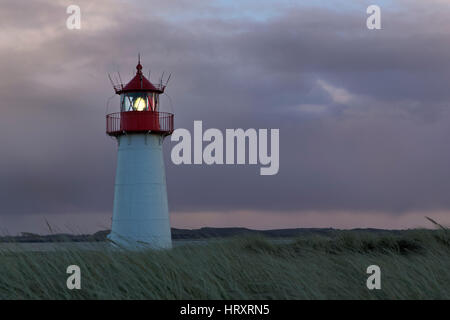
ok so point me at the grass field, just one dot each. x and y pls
(414, 265)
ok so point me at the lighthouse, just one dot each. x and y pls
(141, 212)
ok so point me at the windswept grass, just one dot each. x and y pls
(414, 265)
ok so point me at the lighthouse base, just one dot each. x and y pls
(128, 243)
(141, 212)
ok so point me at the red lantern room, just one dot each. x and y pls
(139, 108)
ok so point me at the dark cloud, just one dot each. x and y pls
(363, 115)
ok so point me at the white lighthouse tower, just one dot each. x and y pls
(141, 213)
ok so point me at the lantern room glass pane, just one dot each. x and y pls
(139, 101)
(134, 101)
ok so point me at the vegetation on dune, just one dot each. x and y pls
(414, 265)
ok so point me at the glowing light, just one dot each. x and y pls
(139, 104)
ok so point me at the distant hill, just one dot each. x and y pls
(191, 234)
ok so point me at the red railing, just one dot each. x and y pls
(139, 121)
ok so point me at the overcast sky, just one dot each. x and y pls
(363, 114)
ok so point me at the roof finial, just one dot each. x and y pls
(139, 66)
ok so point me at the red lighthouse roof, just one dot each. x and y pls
(140, 83)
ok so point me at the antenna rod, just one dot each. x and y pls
(167, 81)
(121, 83)
(115, 78)
(161, 79)
(112, 83)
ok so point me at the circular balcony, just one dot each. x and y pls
(139, 122)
